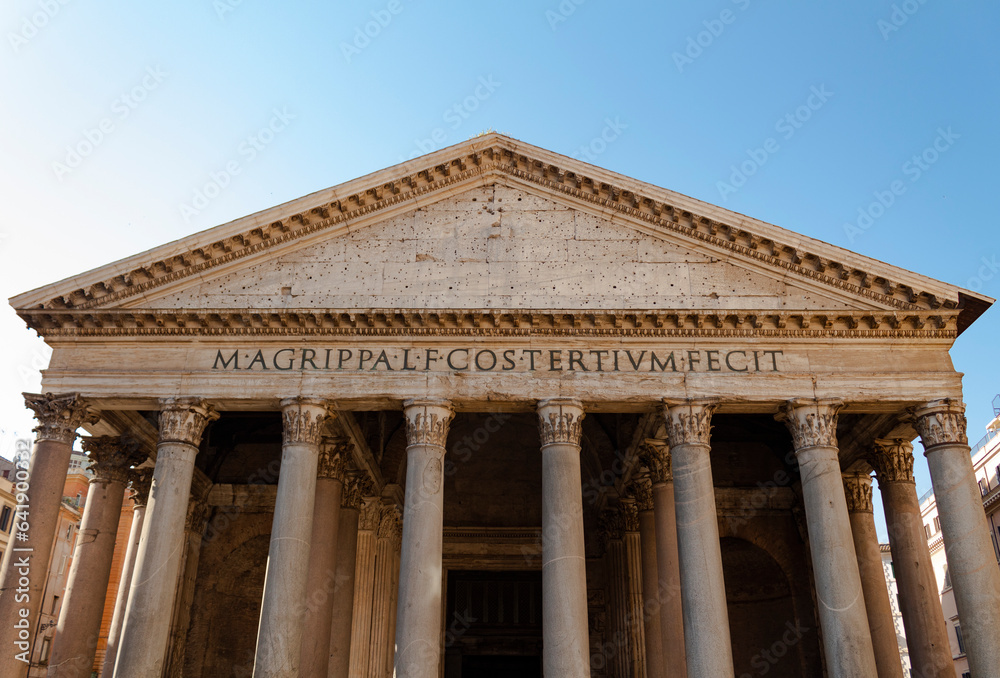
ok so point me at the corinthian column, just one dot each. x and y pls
(418, 630)
(143, 645)
(642, 490)
(842, 614)
(971, 561)
(858, 492)
(343, 592)
(140, 494)
(565, 636)
(38, 487)
(279, 635)
(656, 457)
(926, 635)
(75, 644)
(322, 578)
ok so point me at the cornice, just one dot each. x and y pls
(494, 322)
(652, 209)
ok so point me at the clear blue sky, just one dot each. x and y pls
(181, 87)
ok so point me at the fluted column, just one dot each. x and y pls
(565, 635)
(975, 576)
(385, 566)
(642, 490)
(38, 487)
(633, 578)
(364, 587)
(279, 635)
(322, 578)
(656, 457)
(343, 592)
(842, 614)
(418, 630)
(919, 602)
(615, 649)
(708, 651)
(141, 652)
(858, 492)
(140, 494)
(75, 646)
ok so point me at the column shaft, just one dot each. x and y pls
(919, 602)
(26, 560)
(708, 650)
(655, 667)
(971, 560)
(143, 645)
(364, 584)
(381, 616)
(565, 634)
(636, 628)
(128, 566)
(842, 613)
(343, 593)
(279, 635)
(75, 645)
(418, 630)
(858, 488)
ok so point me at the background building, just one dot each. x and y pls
(897, 615)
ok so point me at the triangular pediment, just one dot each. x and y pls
(493, 223)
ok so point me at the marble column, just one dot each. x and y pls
(615, 649)
(317, 612)
(279, 635)
(858, 492)
(844, 620)
(75, 645)
(343, 592)
(146, 630)
(668, 592)
(633, 580)
(38, 489)
(642, 490)
(385, 566)
(565, 634)
(975, 576)
(418, 626)
(140, 493)
(707, 645)
(919, 601)
(364, 587)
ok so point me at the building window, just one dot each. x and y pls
(984, 486)
(69, 532)
(927, 531)
(5, 519)
(43, 656)
(961, 641)
(966, 675)
(937, 524)
(54, 610)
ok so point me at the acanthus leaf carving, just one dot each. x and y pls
(333, 455)
(689, 421)
(892, 460)
(183, 420)
(303, 420)
(941, 422)
(858, 492)
(655, 455)
(112, 457)
(427, 421)
(560, 420)
(812, 423)
(59, 415)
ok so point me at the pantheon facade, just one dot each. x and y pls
(494, 412)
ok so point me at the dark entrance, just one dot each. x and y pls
(494, 624)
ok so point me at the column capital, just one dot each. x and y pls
(59, 415)
(142, 480)
(689, 421)
(333, 454)
(941, 422)
(303, 419)
(892, 460)
(427, 421)
(642, 490)
(112, 457)
(183, 420)
(655, 454)
(355, 488)
(812, 421)
(611, 522)
(858, 491)
(560, 420)
(630, 514)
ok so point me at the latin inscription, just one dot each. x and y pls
(465, 359)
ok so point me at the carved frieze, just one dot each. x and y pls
(812, 423)
(183, 420)
(941, 422)
(560, 420)
(427, 421)
(688, 421)
(303, 420)
(858, 491)
(892, 461)
(59, 415)
(112, 457)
